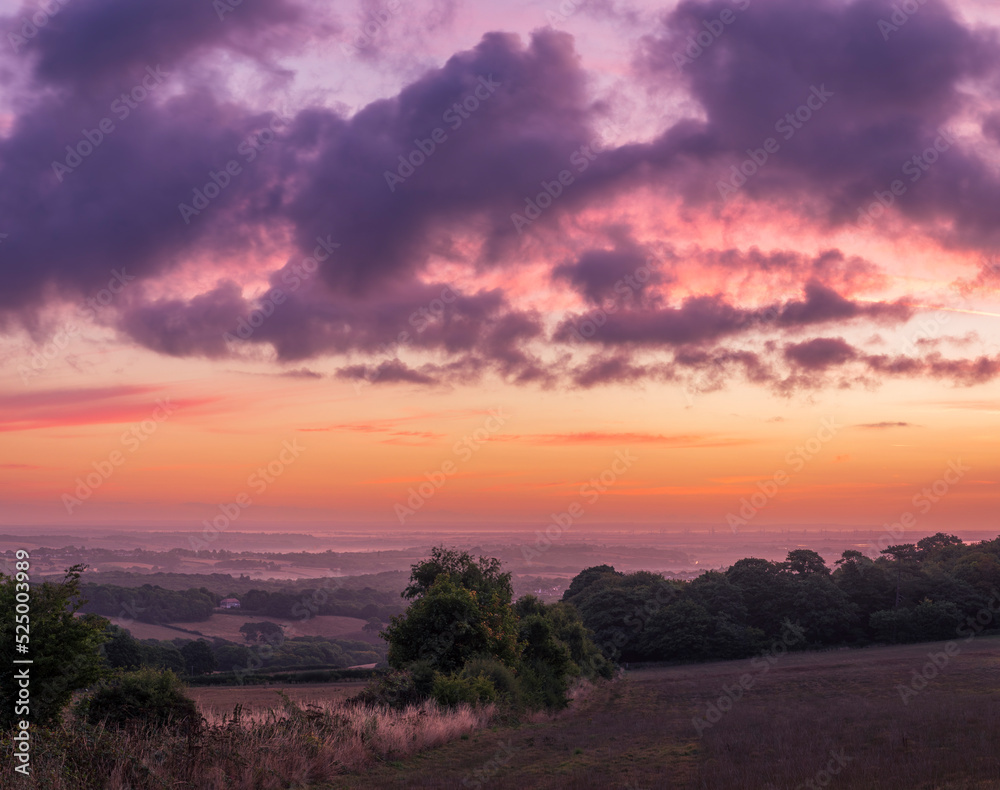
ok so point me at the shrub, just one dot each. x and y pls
(499, 675)
(393, 690)
(64, 647)
(542, 686)
(133, 700)
(453, 690)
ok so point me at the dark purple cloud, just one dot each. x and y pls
(820, 353)
(188, 327)
(614, 369)
(822, 305)
(372, 199)
(97, 42)
(706, 319)
(509, 116)
(620, 275)
(824, 354)
(890, 100)
(388, 372)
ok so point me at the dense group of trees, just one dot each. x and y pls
(301, 604)
(463, 639)
(154, 604)
(193, 657)
(938, 588)
(149, 603)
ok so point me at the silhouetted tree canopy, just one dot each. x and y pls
(935, 589)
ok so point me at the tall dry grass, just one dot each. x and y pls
(295, 746)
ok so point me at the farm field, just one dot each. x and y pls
(833, 719)
(227, 626)
(217, 700)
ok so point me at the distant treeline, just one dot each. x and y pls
(153, 604)
(195, 657)
(149, 604)
(301, 604)
(936, 589)
(300, 676)
(226, 585)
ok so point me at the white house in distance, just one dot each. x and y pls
(229, 603)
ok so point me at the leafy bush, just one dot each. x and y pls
(64, 648)
(393, 690)
(500, 677)
(454, 690)
(144, 698)
(541, 686)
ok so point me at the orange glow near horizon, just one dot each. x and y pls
(362, 454)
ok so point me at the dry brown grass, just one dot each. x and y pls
(215, 701)
(294, 747)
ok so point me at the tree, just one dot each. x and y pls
(905, 558)
(716, 593)
(121, 651)
(232, 657)
(484, 576)
(981, 570)
(373, 626)
(254, 601)
(546, 662)
(587, 577)
(265, 631)
(867, 586)
(823, 610)
(64, 649)
(449, 624)
(281, 604)
(929, 620)
(767, 593)
(806, 561)
(462, 640)
(149, 603)
(937, 543)
(161, 655)
(568, 628)
(680, 632)
(198, 657)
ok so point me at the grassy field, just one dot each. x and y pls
(801, 722)
(834, 719)
(217, 700)
(227, 626)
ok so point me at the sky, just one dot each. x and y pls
(411, 265)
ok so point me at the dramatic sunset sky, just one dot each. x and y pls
(499, 250)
